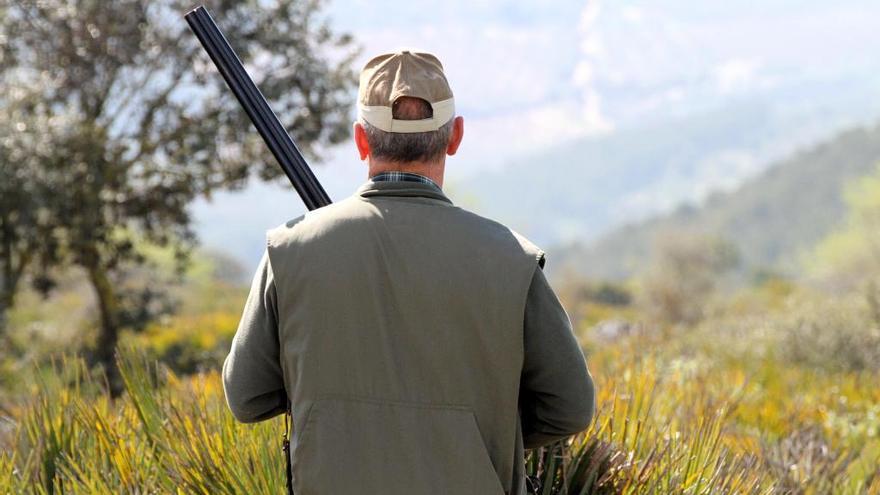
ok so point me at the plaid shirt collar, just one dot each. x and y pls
(401, 184)
(397, 176)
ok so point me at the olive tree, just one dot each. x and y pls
(113, 120)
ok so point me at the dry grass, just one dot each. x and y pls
(695, 422)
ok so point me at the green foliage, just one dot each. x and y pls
(605, 293)
(770, 218)
(23, 221)
(164, 435)
(589, 303)
(188, 344)
(830, 333)
(774, 388)
(850, 255)
(680, 418)
(770, 390)
(208, 300)
(106, 155)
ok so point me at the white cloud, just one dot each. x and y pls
(512, 81)
(490, 67)
(633, 14)
(736, 74)
(591, 120)
(590, 14)
(583, 73)
(521, 132)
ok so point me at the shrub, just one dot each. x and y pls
(832, 335)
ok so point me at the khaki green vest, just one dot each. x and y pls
(401, 336)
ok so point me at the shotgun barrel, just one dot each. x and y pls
(264, 119)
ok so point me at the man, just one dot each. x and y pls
(419, 345)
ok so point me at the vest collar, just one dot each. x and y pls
(401, 189)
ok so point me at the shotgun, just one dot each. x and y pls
(273, 133)
(251, 99)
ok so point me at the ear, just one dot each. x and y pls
(360, 139)
(455, 138)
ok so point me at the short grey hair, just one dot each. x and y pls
(406, 147)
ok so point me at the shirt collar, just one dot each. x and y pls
(402, 188)
(399, 176)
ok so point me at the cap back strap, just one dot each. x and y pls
(381, 117)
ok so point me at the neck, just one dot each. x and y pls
(431, 170)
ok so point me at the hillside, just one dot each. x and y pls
(579, 190)
(770, 218)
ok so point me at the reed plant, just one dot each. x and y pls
(666, 424)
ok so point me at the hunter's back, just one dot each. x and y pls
(400, 323)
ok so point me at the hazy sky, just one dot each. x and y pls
(528, 75)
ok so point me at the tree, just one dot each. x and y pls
(22, 221)
(848, 258)
(115, 120)
(850, 255)
(685, 272)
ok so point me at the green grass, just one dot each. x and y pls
(748, 401)
(666, 425)
(166, 435)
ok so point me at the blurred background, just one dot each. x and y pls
(589, 115)
(704, 176)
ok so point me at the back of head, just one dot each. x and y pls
(408, 147)
(406, 107)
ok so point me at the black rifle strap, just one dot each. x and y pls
(285, 446)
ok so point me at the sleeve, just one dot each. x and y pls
(557, 396)
(252, 376)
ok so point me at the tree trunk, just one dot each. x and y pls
(9, 285)
(7, 298)
(108, 336)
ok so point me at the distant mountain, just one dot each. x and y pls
(770, 218)
(579, 190)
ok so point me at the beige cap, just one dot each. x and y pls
(392, 75)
